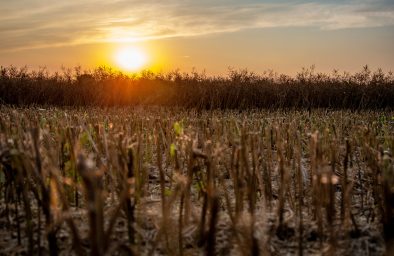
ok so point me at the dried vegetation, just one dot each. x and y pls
(131, 181)
(241, 89)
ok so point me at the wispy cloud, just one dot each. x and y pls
(34, 24)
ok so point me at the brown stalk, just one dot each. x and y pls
(45, 194)
(190, 166)
(93, 194)
(26, 203)
(267, 164)
(330, 211)
(245, 173)
(254, 180)
(74, 231)
(164, 210)
(130, 206)
(73, 160)
(180, 225)
(211, 235)
(300, 183)
(282, 186)
(344, 197)
(161, 172)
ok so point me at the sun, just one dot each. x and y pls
(131, 58)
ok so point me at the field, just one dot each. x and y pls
(188, 181)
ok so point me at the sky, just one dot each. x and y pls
(210, 35)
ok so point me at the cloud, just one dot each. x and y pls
(28, 24)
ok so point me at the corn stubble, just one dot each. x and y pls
(132, 181)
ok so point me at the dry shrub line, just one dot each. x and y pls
(241, 89)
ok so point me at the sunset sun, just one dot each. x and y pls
(131, 58)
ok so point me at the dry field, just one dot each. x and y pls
(151, 181)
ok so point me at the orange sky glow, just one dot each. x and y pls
(203, 35)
